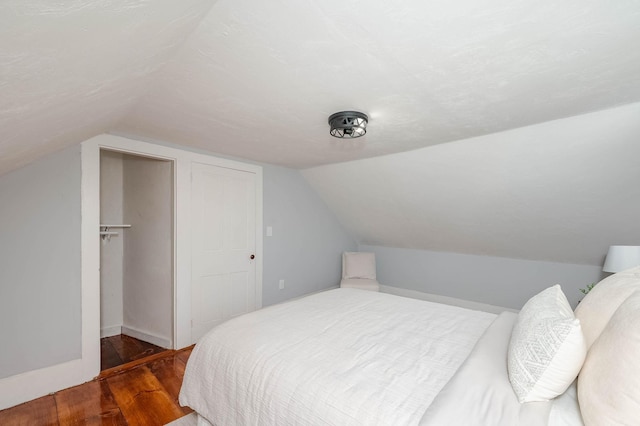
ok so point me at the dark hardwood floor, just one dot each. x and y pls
(121, 349)
(144, 392)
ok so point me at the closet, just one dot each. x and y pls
(136, 252)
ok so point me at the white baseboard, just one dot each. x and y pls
(307, 294)
(33, 384)
(163, 342)
(333, 287)
(113, 330)
(468, 304)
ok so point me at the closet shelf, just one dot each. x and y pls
(114, 226)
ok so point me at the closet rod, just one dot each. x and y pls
(114, 226)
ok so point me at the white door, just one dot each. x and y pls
(223, 269)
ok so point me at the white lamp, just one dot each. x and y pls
(620, 258)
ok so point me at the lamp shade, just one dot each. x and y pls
(620, 258)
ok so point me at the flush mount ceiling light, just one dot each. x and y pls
(348, 124)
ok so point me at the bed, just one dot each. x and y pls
(355, 357)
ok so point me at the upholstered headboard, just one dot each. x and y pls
(609, 382)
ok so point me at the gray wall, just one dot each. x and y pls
(40, 309)
(307, 243)
(494, 280)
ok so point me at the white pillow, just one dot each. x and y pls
(547, 347)
(359, 265)
(609, 383)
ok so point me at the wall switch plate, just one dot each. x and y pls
(281, 284)
(269, 231)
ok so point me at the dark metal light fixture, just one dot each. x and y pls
(348, 124)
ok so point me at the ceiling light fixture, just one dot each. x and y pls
(348, 124)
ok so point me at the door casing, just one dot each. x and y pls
(90, 262)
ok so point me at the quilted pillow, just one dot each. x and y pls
(595, 310)
(359, 265)
(609, 383)
(547, 347)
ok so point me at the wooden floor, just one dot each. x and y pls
(143, 394)
(122, 349)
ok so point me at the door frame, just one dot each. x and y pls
(90, 241)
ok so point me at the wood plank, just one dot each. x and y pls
(146, 396)
(41, 411)
(134, 364)
(170, 371)
(89, 404)
(142, 398)
(131, 349)
(109, 357)
(184, 354)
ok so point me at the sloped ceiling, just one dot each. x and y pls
(257, 80)
(560, 191)
(70, 70)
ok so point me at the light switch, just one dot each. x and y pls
(269, 231)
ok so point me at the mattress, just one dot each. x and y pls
(341, 357)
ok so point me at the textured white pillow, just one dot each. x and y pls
(609, 383)
(359, 265)
(547, 347)
(595, 310)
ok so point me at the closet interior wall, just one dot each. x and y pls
(136, 272)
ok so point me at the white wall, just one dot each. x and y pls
(493, 280)
(111, 252)
(40, 312)
(148, 249)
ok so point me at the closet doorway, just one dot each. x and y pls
(137, 206)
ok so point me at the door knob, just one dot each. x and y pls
(253, 256)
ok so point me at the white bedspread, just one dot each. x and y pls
(341, 357)
(479, 393)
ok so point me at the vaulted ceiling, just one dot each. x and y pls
(257, 80)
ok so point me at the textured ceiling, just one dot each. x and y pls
(257, 80)
(70, 70)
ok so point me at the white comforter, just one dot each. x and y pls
(480, 394)
(342, 357)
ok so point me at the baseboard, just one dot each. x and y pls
(33, 384)
(333, 287)
(468, 304)
(302, 296)
(114, 330)
(163, 342)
